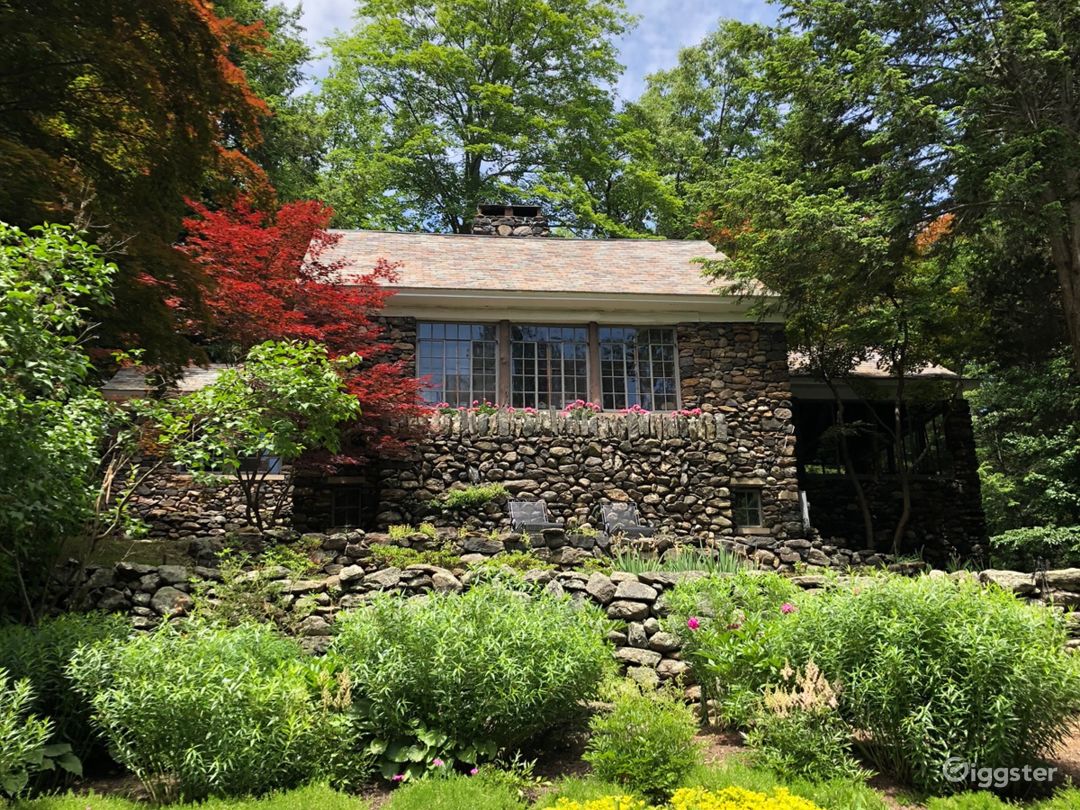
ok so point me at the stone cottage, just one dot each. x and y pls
(737, 441)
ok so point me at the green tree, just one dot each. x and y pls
(53, 421)
(293, 136)
(110, 114)
(700, 115)
(830, 213)
(287, 398)
(1027, 429)
(451, 104)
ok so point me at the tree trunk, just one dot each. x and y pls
(849, 469)
(901, 467)
(1065, 252)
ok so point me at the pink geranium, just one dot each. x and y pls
(693, 623)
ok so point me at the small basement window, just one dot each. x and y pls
(746, 508)
(346, 506)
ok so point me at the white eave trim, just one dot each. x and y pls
(570, 307)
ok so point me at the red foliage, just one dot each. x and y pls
(270, 281)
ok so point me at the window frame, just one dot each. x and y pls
(757, 506)
(594, 380)
(676, 379)
(509, 350)
(473, 394)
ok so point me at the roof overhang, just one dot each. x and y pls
(874, 387)
(644, 309)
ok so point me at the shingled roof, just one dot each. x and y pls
(467, 262)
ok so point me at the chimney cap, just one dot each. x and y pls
(502, 210)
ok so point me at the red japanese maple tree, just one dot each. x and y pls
(270, 280)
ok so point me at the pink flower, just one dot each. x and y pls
(438, 763)
(787, 607)
(397, 777)
(693, 623)
(474, 771)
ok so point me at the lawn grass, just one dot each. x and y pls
(306, 798)
(453, 793)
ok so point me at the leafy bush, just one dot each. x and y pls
(471, 497)
(798, 732)
(646, 743)
(454, 793)
(251, 589)
(41, 654)
(729, 630)
(22, 736)
(402, 557)
(461, 677)
(1068, 799)
(207, 710)
(936, 667)
(1031, 548)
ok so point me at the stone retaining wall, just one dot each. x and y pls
(679, 470)
(347, 574)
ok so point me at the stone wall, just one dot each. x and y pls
(173, 506)
(679, 470)
(347, 573)
(740, 371)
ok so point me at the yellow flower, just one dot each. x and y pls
(735, 798)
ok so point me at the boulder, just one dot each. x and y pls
(628, 611)
(168, 601)
(638, 657)
(1014, 581)
(636, 591)
(384, 579)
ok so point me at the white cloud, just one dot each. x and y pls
(665, 26)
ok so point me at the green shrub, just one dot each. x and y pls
(42, 653)
(402, 557)
(729, 630)
(471, 497)
(646, 742)
(521, 561)
(454, 793)
(251, 590)
(22, 736)
(932, 668)
(462, 677)
(1031, 548)
(798, 731)
(200, 709)
(712, 561)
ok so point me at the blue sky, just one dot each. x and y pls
(663, 28)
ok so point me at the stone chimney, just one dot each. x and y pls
(510, 220)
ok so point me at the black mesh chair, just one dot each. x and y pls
(623, 518)
(531, 516)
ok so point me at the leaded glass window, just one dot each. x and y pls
(459, 362)
(548, 365)
(637, 367)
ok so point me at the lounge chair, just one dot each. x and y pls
(531, 516)
(623, 518)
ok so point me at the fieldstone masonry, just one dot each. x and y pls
(348, 574)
